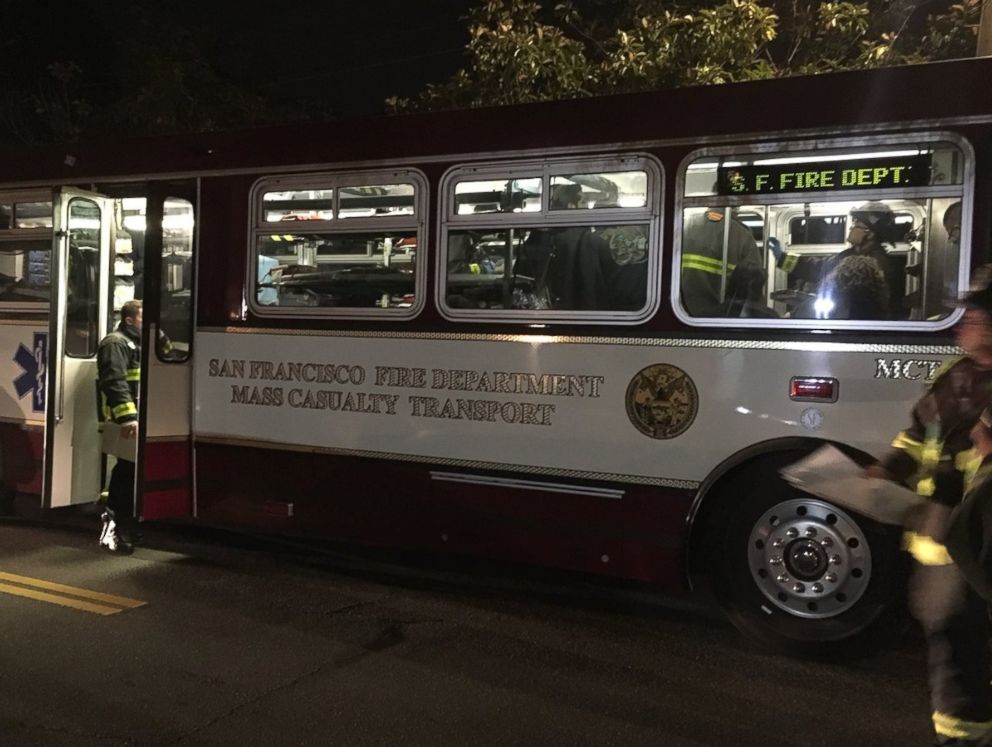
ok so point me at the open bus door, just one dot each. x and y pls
(165, 465)
(77, 321)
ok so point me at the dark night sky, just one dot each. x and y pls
(355, 52)
(351, 55)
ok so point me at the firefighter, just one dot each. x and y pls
(936, 453)
(872, 228)
(703, 267)
(119, 370)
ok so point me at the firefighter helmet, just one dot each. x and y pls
(877, 216)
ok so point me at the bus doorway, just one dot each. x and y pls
(132, 241)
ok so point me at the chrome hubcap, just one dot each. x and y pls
(809, 558)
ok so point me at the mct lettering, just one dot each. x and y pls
(902, 368)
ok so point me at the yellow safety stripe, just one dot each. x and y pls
(127, 408)
(906, 443)
(926, 550)
(704, 264)
(949, 726)
(133, 374)
(969, 463)
(945, 367)
(931, 452)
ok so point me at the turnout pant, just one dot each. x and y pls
(956, 624)
(120, 494)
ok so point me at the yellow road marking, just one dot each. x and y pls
(113, 604)
(43, 596)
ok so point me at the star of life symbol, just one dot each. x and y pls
(34, 362)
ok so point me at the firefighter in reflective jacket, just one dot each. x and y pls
(703, 267)
(119, 370)
(936, 453)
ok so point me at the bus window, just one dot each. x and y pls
(506, 254)
(845, 234)
(338, 244)
(25, 252)
(824, 229)
(82, 332)
(176, 287)
(512, 195)
(598, 191)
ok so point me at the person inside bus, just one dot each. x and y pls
(268, 291)
(746, 293)
(571, 267)
(948, 282)
(703, 268)
(856, 289)
(872, 229)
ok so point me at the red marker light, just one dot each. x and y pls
(813, 389)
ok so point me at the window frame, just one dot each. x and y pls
(336, 180)
(650, 215)
(966, 190)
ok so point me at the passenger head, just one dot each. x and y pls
(857, 288)
(871, 222)
(952, 222)
(131, 313)
(564, 196)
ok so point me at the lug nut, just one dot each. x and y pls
(775, 561)
(817, 588)
(782, 578)
(792, 532)
(778, 542)
(827, 542)
(830, 578)
(798, 588)
(810, 531)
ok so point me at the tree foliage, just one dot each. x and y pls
(521, 50)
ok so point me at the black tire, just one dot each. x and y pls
(800, 574)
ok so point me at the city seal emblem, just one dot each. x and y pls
(662, 401)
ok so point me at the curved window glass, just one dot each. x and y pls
(573, 239)
(836, 234)
(338, 244)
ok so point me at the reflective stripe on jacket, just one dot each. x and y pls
(118, 361)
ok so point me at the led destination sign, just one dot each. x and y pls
(825, 176)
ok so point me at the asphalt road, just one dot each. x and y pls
(239, 645)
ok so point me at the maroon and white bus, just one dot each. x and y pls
(583, 334)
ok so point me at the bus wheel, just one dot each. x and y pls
(802, 574)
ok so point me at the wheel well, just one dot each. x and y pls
(711, 506)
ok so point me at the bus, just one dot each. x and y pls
(585, 334)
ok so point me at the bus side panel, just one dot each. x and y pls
(168, 475)
(22, 456)
(542, 527)
(654, 521)
(372, 502)
(23, 359)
